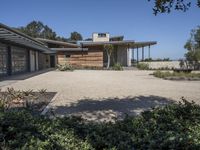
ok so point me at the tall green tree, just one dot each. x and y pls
(75, 36)
(193, 48)
(165, 6)
(37, 29)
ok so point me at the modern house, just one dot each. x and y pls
(20, 53)
(91, 53)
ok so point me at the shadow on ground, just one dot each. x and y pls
(111, 108)
(25, 75)
(4, 81)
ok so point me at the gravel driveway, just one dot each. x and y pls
(102, 95)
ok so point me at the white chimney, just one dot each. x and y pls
(100, 37)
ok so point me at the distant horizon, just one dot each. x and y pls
(132, 19)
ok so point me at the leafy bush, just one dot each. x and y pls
(21, 130)
(117, 66)
(158, 59)
(65, 67)
(143, 66)
(176, 126)
(167, 74)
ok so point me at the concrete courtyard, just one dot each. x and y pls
(104, 95)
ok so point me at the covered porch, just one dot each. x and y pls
(127, 53)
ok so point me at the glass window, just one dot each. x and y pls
(3, 60)
(67, 56)
(102, 35)
(19, 60)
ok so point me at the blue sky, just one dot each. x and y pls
(132, 18)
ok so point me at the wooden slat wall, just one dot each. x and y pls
(92, 58)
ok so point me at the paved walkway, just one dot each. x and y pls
(101, 95)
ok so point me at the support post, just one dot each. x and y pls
(9, 61)
(35, 61)
(142, 53)
(137, 55)
(129, 56)
(133, 55)
(149, 52)
(28, 61)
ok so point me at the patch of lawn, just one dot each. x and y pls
(176, 126)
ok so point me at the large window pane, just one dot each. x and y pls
(3, 59)
(19, 60)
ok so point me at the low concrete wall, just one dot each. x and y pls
(163, 64)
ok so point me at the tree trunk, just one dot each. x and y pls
(108, 56)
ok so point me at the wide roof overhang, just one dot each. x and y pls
(58, 42)
(128, 43)
(12, 36)
(143, 44)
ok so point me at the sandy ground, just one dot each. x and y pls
(102, 95)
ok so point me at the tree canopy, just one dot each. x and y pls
(165, 6)
(193, 47)
(75, 36)
(37, 29)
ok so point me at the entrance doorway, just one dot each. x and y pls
(52, 61)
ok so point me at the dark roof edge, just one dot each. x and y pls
(112, 37)
(20, 33)
(56, 42)
(107, 42)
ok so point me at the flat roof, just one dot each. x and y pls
(130, 43)
(57, 42)
(117, 37)
(88, 43)
(8, 34)
(143, 44)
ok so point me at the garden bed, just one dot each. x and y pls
(13, 99)
(177, 75)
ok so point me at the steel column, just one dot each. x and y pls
(137, 55)
(149, 52)
(142, 53)
(9, 61)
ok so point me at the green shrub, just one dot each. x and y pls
(143, 66)
(21, 130)
(176, 126)
(65, 67)
(166, 74)
(117, 66)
